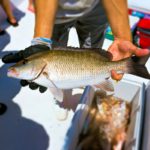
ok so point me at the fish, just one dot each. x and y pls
(67, 68)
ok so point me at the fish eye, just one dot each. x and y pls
(25, 61)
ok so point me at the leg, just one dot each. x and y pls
(60, 34)
(7, 8)
(91, 28)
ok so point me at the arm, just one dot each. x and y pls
(122, 47)
(117, 14)
(45, 12)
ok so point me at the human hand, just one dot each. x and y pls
(15, 57)
(122, 49)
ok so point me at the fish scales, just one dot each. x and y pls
(78, 65)
(68, 69)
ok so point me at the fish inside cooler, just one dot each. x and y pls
(113, 125)
(106, 124)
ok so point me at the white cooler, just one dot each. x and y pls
(128, 90)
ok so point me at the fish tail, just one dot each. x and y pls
(137, 66)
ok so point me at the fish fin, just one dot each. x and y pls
(105, 85)
(136, 66)
(100, 51)
(57, 93)
(117, 75)
(106, 54)
(70, 48)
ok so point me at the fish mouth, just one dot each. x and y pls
(38, 73)
(12, 72)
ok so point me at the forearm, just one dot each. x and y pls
(117, 14)
(45, 12)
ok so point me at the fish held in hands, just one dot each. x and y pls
(67, 69)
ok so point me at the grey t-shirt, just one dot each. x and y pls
(70, 9)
